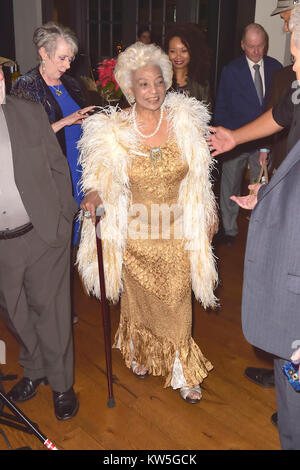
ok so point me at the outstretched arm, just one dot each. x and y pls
(222, 140)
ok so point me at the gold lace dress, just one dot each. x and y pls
(156, 310)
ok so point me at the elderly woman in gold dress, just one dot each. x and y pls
(149, 166)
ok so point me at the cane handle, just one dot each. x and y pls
(100, 211)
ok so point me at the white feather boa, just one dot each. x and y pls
(105, 147)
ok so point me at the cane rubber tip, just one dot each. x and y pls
(111, 403)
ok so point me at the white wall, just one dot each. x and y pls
(278, 40)
(27, 17)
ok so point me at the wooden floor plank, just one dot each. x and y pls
(234, 413)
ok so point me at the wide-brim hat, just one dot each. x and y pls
(7, 62)
(285, 5)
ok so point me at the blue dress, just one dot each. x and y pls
(72, 135)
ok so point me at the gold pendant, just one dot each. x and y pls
(155, 155)
(58, 92)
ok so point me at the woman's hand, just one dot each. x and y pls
(90, 202)
(213, 229)
(75, 118)
(78, 117)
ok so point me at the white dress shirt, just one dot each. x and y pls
(12, 211)
(262, 74)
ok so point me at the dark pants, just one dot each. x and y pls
(231, 184)
(35, 304)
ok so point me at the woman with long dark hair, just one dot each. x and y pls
(191, 59)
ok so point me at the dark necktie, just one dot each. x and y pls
(258, 83)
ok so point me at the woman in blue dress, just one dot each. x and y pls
(59, 94)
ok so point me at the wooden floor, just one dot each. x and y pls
(233, 414)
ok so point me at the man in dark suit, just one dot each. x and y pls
(241, 98)
(36, 215)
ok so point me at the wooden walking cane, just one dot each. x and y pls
(263, 174)
(104, 308)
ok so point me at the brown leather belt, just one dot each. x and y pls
(17, 232)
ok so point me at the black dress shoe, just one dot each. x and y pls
(228, 240)
(66, 404)
(261, 376)
(74, 318)
(274, 419)
(25, 389)
(223, 239)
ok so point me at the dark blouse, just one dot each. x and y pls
(195, 90)
(32, 86)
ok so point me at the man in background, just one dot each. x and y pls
(241, 98)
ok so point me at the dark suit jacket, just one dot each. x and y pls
(41, 170)
(237, 102)
(271, 289)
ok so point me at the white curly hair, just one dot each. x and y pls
(140, 55)
(47, 35)
(294, 25)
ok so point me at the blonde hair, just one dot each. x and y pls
(140, 55)
(294, 25)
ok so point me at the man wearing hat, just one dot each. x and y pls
(284, 8)
(276, 311)
(36, 216)
(8, 62)
(282, 81)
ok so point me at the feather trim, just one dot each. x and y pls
(105, 147)
(189, 119)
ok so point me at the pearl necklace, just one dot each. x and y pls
(157, 127)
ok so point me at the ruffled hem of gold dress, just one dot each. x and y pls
(181, 365)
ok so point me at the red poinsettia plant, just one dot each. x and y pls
(107, 85)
